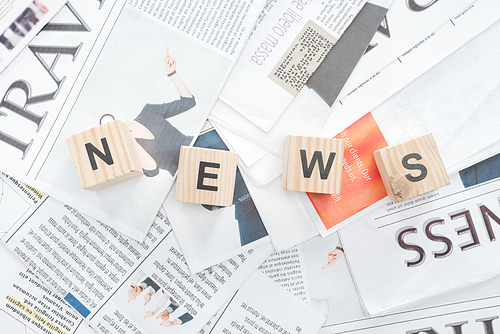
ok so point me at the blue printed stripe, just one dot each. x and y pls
(77, 305)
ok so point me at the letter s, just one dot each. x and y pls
(439, 238)
(421, 253)
(422, 168)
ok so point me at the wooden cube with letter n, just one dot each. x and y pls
(104, 155)
(313, 164)
(206, 176)
(411, 168)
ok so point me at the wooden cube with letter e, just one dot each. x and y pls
(206, 176)
(313, 164)
(104, 155)
(411, 168)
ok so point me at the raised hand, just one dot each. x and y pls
(169, 62)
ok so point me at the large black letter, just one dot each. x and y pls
(106, 157)
(70, 26)
(488, 326)
(22, 110)
(423, 170)
(487, 214)
(202, 175)
(457, 327)
(469, 228)
(323, 172)
(16, 143)
(449, 246)
(421, 253)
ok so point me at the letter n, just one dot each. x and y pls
(106, 156)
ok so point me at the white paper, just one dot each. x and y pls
(20, 22)
(93, 268)
(262, 306)
(251, 90)
(376, 86)
(209, 234)
(110, 60)
(426, 245)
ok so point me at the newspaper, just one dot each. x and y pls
(317, 273)
(118, 59)
(474, 315)
(20, 21)
(430, 238)
(289, 42)
(116, 283)
(308, 113)
(250, 311)
(209, 234)
(29, 306)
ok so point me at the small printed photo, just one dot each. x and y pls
(23, 24)
(149, 305)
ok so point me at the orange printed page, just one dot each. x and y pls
(361, 182)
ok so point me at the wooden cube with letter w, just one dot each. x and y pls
(313, 164)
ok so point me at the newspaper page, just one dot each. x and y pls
(308, 113)
(250, 311)
(372, 84)
(209, 234)
(316, 273)
(126, 61)
(118, 284)
(20, 21)
(29, 306)
(421, 246)
(291, 39)
(478, 316)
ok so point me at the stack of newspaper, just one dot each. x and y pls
(131, 259)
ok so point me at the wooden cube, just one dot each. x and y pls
(206, 176)
(104, 155)
(411, 168)
(313, 164)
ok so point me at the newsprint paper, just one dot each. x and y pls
(115, 283)
(20, 21)
(403, 252)
(157, 66)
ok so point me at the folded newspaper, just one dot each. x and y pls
(442, 240)
(155, 65)
(116, 283)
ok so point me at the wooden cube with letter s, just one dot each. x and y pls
(303, 154)
(104, 155)
(206, 176)
(411, 168)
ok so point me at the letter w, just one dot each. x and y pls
(317, 156)
(106, 157)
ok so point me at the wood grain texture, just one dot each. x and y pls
(424, 169)
(126, 163)
(192, 173)
(321, 178)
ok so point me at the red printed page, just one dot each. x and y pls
(361, 182)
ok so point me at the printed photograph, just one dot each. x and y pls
(161, 85)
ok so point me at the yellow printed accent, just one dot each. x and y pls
(35, 191)
(35, 315)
